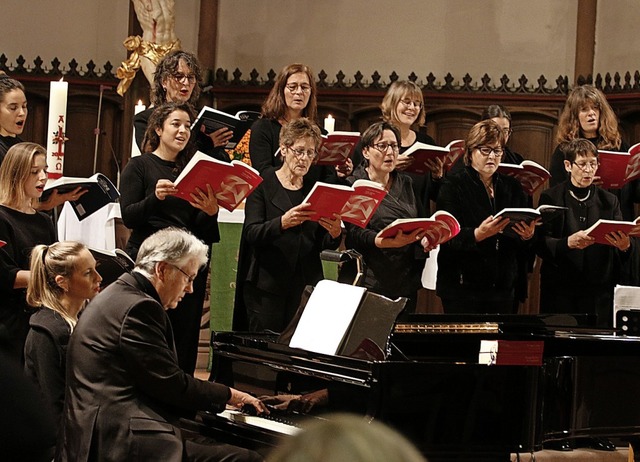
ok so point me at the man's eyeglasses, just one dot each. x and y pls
(586, 166)
(191, 78)
(309, 153)
(293, 87)
(382, 147)
(407, 103)
(189, 278)
(507, 131)
(486, 151)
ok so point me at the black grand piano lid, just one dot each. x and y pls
(369, 333)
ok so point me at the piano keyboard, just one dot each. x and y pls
(264, 422)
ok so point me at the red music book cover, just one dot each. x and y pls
(355, 204)
(618, 168)
(422, 152)
(603, 227)
(439, 228)
(530, 174)
(231, 181)
(337, 147)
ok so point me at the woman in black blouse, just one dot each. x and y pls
(293, 96)
(283, 246)
(148, 205)
(478, 269)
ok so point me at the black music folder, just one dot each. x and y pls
(368, 333)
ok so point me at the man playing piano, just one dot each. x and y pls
(125, 389)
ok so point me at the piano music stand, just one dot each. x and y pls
(372, 323)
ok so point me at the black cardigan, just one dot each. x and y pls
(488, 269)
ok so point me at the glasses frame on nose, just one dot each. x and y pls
(179, 77)
(486, 151)
(190, 279)
(301, 153)
(294, 87)
(408, 103)
(383, 147)
(592, 166)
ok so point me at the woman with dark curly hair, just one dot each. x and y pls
(177, 79)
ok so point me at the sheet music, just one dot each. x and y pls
(327, 317)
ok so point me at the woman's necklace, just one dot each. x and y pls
(580, 199)
(489, 187)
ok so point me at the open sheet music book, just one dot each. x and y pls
(327, 317)
(100, 192)
(618, 168)
(355, 204)
(603, 227)
(231, 182)
(213, 120)
(422, 152)
(530, 174)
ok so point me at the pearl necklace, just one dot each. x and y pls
(580, 199)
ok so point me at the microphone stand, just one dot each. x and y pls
(96, 131)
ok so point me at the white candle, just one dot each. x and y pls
(135, 150)
(56, 132)
(329, 124)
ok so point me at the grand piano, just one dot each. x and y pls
(429, 385)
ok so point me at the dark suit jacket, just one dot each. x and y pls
(125, 390)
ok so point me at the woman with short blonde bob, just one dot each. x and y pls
(23, 175)
(63, 279)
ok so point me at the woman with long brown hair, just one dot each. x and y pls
(294, 95)
(587, 114)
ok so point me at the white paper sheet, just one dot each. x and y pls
(327, 316)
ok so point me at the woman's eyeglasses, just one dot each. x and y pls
(586, 166)
(178, 77)
(309, 153)
(408, 103)
(486, 151)
(382, 147)
(293, 87)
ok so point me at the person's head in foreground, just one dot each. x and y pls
(346, 437)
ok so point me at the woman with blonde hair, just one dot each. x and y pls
(63, 279)
(23, 175)
(403, 106)
(587, 114)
